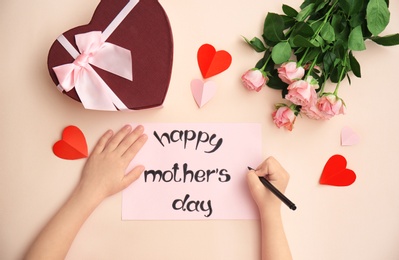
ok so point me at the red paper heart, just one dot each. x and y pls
(146, 32)
(72, 144)
(212, 62)
(335, 172)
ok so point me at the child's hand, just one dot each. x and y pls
(104, 172)
(277, 175)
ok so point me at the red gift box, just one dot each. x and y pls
(121, 60)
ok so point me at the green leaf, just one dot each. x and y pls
(261, 62)
(289, 11)
(349, 79)
(301, 41)
(288, 21)
(341, 29)
(305, 12)
(338, 23)
(321, 6)
(355, 66)
(308, 2)
(316, 25)
(328, 61)
(318, 41)
(358, 18)
(302, 28)
(256, 44)
(350, 7)
(336, 73)
(284, 92)
(281, 52)
(356, 41)
(340, 50)
(310, 55)
(377, 16)
(327, 33)
(275, 82)
(337, 62)
(389, 40)
(274, 28)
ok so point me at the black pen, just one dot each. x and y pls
(275, 191)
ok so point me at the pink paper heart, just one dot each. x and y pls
(202, 91)
(349, 137)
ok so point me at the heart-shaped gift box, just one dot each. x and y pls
(121, 60)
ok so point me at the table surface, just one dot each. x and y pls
(355, 222)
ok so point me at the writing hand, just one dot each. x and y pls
(275, 174)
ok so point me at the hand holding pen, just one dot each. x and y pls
(268, 183)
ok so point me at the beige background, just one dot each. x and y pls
(356, 222)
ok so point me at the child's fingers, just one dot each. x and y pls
(253, 179)
(132, 176)
(261, 172)
(117, 138)
(276, 172)
(102, 142)
(131, 152)
(129, 140)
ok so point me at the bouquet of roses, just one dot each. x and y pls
(304, 50)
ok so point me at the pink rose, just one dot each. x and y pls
(301, 93)
(254, 79)
(284, 117)
(331, 105)
(313, 82)
(289, 72)
(313, 112)
(324, 108)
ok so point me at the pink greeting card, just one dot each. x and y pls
(194, 172)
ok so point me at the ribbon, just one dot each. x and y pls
(93, 49)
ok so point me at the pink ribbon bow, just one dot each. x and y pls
(93, 92)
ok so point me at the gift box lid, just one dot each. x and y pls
(133, 38)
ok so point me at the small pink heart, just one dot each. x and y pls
(202, 91)
(349, 137)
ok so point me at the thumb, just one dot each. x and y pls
(253, 180)
(132, 176)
